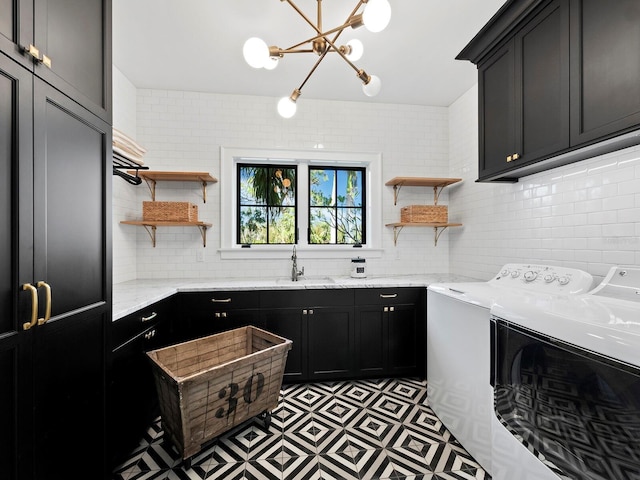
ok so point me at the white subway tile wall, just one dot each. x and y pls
(125, 198)
(185, 130)
(584, 215)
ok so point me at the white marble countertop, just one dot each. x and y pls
(129, 297)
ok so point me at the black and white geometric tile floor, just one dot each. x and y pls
(357, 430)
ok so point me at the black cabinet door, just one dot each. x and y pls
(606, 67)
(72, 180)
(16, 268)
(542, 85)
(497, 115)
(371, 350)
(524, 95)
(291, 324)
(16, 29)
(76, 36)
(405, 341)
(331, 342)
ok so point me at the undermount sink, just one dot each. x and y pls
(306, 281)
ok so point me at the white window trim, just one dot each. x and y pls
(229, 159)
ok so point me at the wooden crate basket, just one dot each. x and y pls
(424, 214)
(209, 385)
(169, 211)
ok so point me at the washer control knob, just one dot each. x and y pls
(504, 272)
(564, 280)
(549, 278)
(515, 274)
(530, 276)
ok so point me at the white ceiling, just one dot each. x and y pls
(196, 45)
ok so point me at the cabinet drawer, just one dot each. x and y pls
(218, 301)
(132, 325)
(387, 296)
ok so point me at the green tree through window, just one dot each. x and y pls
(266, 204)
(336, 205)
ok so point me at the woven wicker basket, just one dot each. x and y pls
(424, 214)
(170, 211)
(209, 385)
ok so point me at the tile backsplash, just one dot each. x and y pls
(584, 215)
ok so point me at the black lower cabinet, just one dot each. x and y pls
(132, 399)
(331, 343)
(390, 332)
(199, 314)
(291, 324)
(320, 325)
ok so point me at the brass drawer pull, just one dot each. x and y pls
(34, 306)
(221, 300)
(47, 312)
(388, 295)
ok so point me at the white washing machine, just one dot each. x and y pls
(459, 349)
(567, 384)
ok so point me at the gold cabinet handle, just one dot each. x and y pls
(34, 306)
(516, 156)
(34, 53)
(47, 312)
(509, 158)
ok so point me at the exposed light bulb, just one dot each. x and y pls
(356, 50)
(372, 87)
(256, 52)
(272, 62)
(376, 15)
(287, 107)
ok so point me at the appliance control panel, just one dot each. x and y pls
(543, 278)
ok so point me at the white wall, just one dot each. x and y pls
(585, 215)
(124, 195)
(185, 130)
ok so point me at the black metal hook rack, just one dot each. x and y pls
(121, 162)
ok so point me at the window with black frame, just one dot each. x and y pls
(336, 206)
(266, 204)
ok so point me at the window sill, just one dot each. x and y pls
(258, 252)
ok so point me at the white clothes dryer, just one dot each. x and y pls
(459, 347)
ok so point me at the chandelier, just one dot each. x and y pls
(374, 17)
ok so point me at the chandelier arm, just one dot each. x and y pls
(313, 69)
(317, 28)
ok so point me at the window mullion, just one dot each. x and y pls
(303, 203)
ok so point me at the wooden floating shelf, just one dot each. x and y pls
(152, 177)
(437, 183)
(151, 226)
(397, 228)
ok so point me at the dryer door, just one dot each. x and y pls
(578, 409)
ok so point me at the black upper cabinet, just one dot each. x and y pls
(554, 76)
(604, 54)
(73, 44)
(524, 94)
